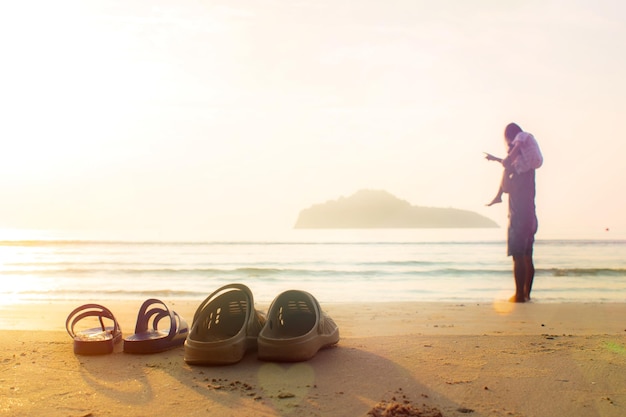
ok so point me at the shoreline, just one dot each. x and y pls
(459, 359)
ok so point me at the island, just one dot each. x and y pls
(371, 209)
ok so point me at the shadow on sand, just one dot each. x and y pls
(340, 381)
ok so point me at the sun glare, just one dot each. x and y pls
(503, 307)
(14, 283)
(18, 265)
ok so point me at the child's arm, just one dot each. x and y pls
(490, 157)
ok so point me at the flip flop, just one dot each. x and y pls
(225, 326)
(97, 340)
(153, 340)
(296, 328)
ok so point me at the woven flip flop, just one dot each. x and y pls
(96, 340)
(148, 338)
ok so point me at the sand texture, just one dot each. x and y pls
(404, 359)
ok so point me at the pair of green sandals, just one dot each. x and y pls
(225, 326)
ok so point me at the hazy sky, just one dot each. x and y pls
(195, 115)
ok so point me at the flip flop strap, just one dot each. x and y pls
(90, 310)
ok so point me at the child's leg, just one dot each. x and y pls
(506, 180)
(503, 183)
(497, 199)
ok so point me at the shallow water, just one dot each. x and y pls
(336, 266)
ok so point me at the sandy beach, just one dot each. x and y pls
(393, 359)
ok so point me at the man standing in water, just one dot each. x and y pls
(522, 219)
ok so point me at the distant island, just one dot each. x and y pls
(372, 209)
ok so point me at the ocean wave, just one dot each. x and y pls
(288, 272)
(349, 271)
(98, 294)
(65, 243)
(392, 242)
(115, 293)
(582, 272)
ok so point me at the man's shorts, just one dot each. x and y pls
(521, 239)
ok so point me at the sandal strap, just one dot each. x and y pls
(159, 312)
(203, 305)
(90, 310)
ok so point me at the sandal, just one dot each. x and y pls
(296, 328)
(97, 340)
(225, 326)
(153, 340)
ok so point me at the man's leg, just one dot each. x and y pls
(529, 276)
(520, 275)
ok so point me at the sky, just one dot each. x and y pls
(176, 116)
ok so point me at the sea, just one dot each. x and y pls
(336, 266)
